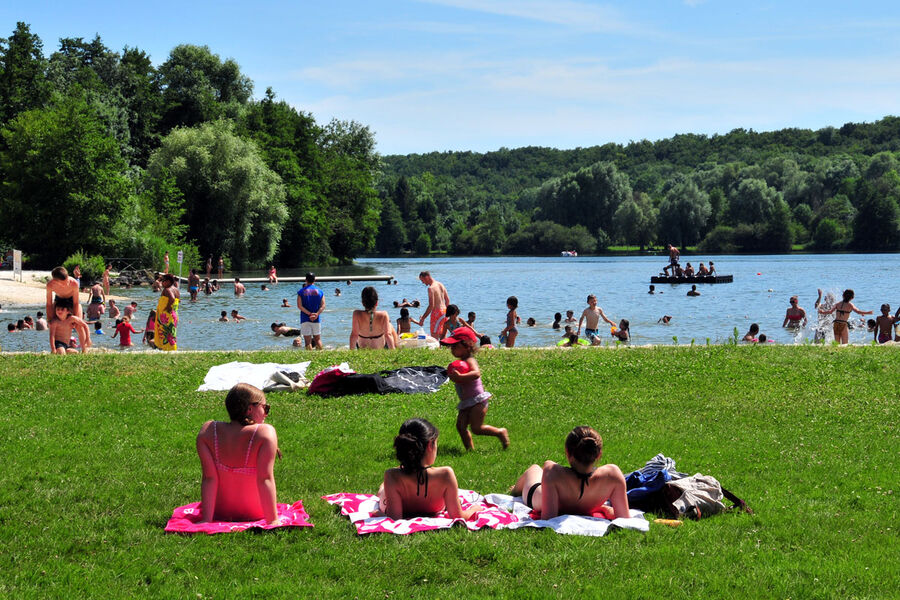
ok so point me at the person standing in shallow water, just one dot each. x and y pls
(311, 302)
(165, 333)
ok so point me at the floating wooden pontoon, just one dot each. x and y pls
(694, 279)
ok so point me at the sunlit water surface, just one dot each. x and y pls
(760, 292)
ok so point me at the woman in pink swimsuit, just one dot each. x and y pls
(237, 458)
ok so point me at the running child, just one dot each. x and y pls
(473, 400)
(61, 330)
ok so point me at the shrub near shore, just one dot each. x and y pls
(100, 448)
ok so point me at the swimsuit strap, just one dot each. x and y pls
(250, 445)
(216, 441)
(422, 478)
(585, 480)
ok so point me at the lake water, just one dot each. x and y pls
(760, 292)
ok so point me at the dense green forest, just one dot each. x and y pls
(102, 153)
(825, 190)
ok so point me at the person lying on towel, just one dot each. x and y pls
(582, 488)
(417, 488)
(238, 459)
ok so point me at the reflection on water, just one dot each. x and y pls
(760, 292)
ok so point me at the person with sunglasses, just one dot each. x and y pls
(237, 459)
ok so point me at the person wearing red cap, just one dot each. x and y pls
(473, 400)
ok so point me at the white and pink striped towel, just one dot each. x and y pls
(360, 509)
(565, 524)
(184, 520)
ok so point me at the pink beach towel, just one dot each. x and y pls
(360, 508)
(184, 520)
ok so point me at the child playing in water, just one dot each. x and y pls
(510, 332)
(884, 324)
(61, 330)
(473, 400)
(557, 318)
(622, 333)
(570, 317)
(452, 321)
(150, 329)
(752, 333)
(113, 310)
(592, 314)
(124, 331)
(224, 317)
(98, 328)
(236, 317)
(404, 321)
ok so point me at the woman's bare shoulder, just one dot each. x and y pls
(205, 428)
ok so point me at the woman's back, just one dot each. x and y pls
(371, 328)
(577, 494)
(234, 450)
(420, 493)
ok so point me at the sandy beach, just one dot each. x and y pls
(31, 290)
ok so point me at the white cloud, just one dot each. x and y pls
(460, 103)
(574, 15)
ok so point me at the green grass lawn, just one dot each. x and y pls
(97, 451)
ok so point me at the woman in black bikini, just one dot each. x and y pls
(416, 487)
(581, 489)
(842, 312)
(371, 328)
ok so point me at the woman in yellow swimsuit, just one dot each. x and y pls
(842, 312)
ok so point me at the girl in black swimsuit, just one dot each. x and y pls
(842, 312)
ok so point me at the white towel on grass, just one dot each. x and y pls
(566, 524)
(224, 377)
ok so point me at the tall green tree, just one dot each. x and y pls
(198, 86)
(23, 83)
(349, 163)
(635, 220)
(64, 181)
(876, 225)
(589, 196)
(683, 214)
(234, 204)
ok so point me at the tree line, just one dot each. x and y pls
(825, 190)
(103, 153)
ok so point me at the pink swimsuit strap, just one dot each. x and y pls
(246, 469)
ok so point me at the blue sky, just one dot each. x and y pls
(482, 74)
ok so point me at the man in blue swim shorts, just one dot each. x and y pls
(311, 302)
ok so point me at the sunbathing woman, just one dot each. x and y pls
(371, 328)
(416, 488)
(581, 489)
(842, 312)
(237, 460)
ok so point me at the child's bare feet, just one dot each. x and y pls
(504, 438)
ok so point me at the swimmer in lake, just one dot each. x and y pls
(693, 291)
(794, 317)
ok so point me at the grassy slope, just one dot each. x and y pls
(98, 450)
